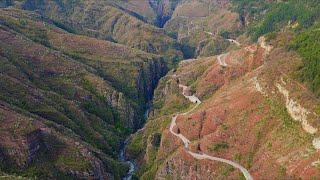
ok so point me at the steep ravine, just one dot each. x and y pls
(163, 9)
(147, 82)
(131, 163)
(122, 153)
(149, 88)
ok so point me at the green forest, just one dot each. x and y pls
(300, 17)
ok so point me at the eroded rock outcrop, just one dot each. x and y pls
(163, 10)
(296, 111)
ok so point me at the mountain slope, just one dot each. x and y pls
(78, 77)
(199, 25)
(106, 20)
(93, 90)
(249, 114)
(260, 105)
(153, 11)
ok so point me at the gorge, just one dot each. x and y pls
(159, 89)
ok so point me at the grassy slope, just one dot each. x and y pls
(70, 80)
(274, 133)
(32, 87)
(110, 23)
(275, 19)
(277, 134)
(190, 21)
(303, 14)
(298, 17)
(307, 44)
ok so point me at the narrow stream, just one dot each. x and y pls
(131, 163)
(122, 154)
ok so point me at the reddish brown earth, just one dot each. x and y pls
(243, 117)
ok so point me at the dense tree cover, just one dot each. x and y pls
(307, 44)
(251, 7)
(268, 17)
(298, 16)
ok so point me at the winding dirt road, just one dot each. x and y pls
(186, 141)
(222, 60)
(221, 57)
(234, 41)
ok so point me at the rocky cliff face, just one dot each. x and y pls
(149, 77)
(147, 80)
(163, 9)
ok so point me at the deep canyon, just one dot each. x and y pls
(159, 89)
